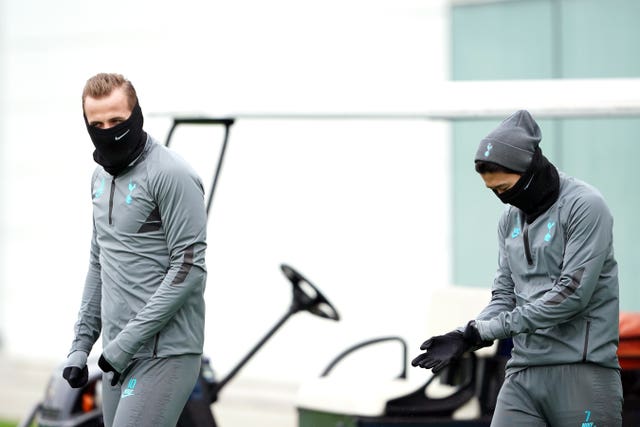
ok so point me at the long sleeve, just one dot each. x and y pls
(89, 324)
(502, 291)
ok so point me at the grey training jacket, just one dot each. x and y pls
(556, 287)
(146, 279)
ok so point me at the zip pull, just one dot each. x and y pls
(113, 190)
(525, 241)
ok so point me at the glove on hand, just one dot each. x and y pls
(441, 350)
(106, 367)
(75, 369)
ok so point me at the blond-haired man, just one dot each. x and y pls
(144, 288)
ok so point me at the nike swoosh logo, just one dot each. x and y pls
(118, 138)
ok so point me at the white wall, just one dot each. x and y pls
(360, 207)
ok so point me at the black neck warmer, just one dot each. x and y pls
(118, 146)
(536, 190)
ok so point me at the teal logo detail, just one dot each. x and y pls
(550, 226)
(489, 147)
(586, 422)
(98, 191)
(129, 390)
(515, 233)
(132, 187)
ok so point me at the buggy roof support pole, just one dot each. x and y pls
(223, 149)
(227, 123)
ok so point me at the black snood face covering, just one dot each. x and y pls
(536, 190)
(120, 145)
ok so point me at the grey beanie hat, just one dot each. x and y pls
(512, 143)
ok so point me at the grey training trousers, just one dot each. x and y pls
(575, 395)
(151, 393)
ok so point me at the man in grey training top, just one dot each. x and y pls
(555, 291)
(146, 279)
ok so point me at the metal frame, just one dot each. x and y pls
(226, 122)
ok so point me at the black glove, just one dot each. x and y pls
(75, 376)
(75, 371)
(440, 351)
(106, 367)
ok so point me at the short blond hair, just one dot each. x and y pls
(103, 84)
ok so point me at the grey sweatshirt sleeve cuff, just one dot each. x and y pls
(116, 356)
(491, 329)
(77, 358)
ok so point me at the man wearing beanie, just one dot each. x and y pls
(144, 291)
(555, 292)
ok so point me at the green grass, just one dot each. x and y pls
(5, 423)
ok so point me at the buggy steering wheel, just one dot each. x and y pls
(307, 297)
